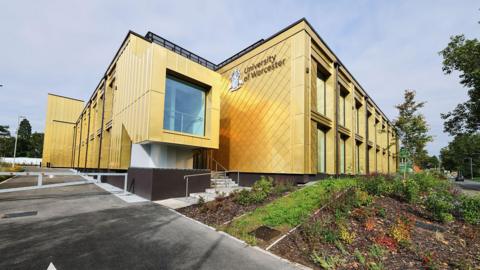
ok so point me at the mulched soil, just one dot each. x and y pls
(223, 209)
(447, 246)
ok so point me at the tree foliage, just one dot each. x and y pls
(28, 145)
(463, 55)
(412, 128)
(463, 146)
(4, 132)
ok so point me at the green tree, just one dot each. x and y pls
(463, 146)
(4, 132)
(36, 145)
(412, 128)
(430, 162)
(6, 142)
(24, 134)
(463, 55)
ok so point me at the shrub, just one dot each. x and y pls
(282, 188)
(376, 185)
(440, 204)
(402, 229)
(259, 192)
(361, 198)
(407, 190)
(470, 209)
(326, 262)
(377, 251)
(346, 235)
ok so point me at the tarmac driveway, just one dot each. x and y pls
(84, 227)
(469, 187)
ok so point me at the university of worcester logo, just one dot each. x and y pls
(235, 81)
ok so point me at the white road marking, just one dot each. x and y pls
(51, 266)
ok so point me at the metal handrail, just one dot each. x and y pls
(186, 177)
(218, 164)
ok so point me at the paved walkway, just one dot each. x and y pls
(85, 227)
(28, 181)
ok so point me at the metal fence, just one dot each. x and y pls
(88, 178)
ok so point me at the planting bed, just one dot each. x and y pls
(224, 209)
(386, 234)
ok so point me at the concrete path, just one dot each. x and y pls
(85, 227)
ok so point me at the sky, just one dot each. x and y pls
(64, 47)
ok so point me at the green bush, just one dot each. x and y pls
(440, 205)
(361, 198)
(376, 185)
(407, 190)
(470, 209)
(259, 192)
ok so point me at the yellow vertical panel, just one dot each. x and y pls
(62, 112)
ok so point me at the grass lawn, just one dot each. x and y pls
(286, 212)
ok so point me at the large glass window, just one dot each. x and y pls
(184, 107)
(321, 93)
(321, 151)
(342, 155)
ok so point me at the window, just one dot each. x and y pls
(321, 93)
(341, 110)
(184, 107)
(358, 158)
(321, 151)
(342, 155)
(357, 118)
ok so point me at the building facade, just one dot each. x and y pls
(285, 106)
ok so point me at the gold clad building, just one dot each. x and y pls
(285, 106)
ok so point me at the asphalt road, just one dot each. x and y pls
(84, 227)
(27, 181)
(469, 187)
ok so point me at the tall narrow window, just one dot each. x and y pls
(342, 156)
(341, 110)
(321, 151)
(358, 158)
(357, 118)
(184, 107)
(321, 93)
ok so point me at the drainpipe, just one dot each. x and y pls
(103, 117)
(88, 136)
(80, 141)
(337, 93)
(367, 154)
(388, 150)
(72, 162)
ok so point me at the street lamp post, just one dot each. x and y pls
(16, 140)
(471, 164)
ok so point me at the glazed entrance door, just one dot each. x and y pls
(199, 159)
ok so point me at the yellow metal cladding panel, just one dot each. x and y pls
(133, 73)
(167, 62)
(257, 121)
(61, 115)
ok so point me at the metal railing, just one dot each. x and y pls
(40, 176)
(187, 177)
(181, 51)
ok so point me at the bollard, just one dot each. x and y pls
(125, 185)
(39, 180)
